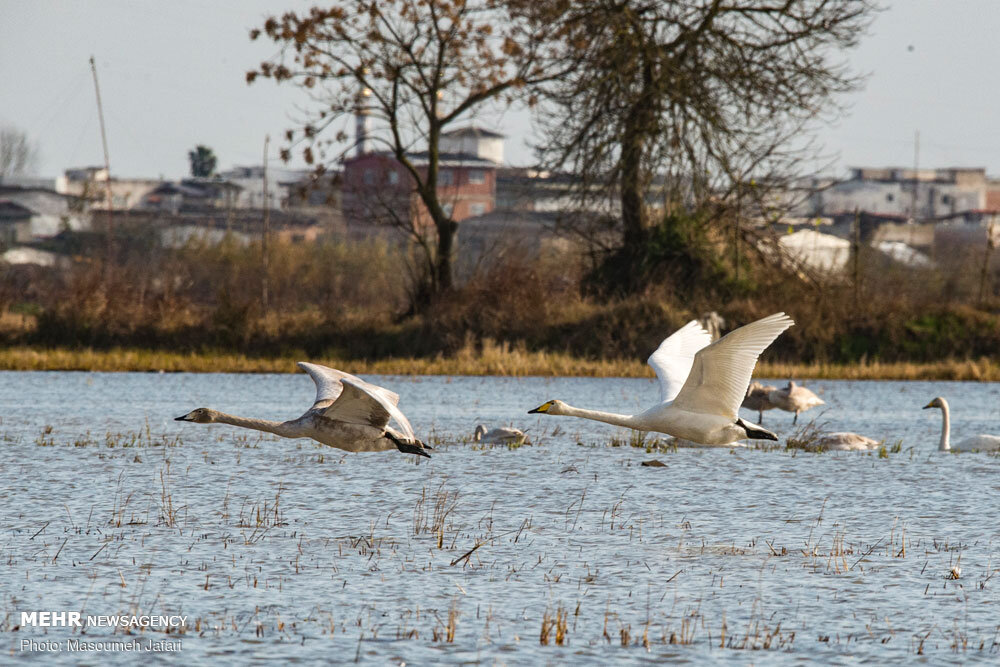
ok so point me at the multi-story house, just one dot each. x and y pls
(379, 190)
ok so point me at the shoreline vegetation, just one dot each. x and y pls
(346, 305)
(496, 359)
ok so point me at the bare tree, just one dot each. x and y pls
(18, 154)
(420, 66)
(708, 95)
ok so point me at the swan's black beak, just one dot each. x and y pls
(182, 418)
(541, 409)
(928, 406)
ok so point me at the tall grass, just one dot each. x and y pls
(198, 308)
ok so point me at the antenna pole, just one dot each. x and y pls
(265, 233)
(109, 227)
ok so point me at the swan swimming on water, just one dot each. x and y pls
(794, 398)
(502, 435)
(844, 441)
(701, 385)
(976, 443)
(348, 414)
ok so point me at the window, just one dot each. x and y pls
(448, 209)
(444, 177)
(945, 199)
(393, 177)
(369, 177)
(477, 176)
(477, 208)
(890, 197)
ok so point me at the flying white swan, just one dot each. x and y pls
(348, 414)
(794, 398)
(701, 385)
(502, 435)
(757, 399)
(976, 443)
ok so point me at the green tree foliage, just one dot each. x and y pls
(203, 161)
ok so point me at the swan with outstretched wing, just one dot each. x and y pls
(348, 414)
(702, 385)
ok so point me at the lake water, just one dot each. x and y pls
(288, 550)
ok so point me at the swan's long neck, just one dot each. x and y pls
(629, 421)
(945, 427)
(284, 429)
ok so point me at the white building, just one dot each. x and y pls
(51, 212)
(473, 141)
(251, 180)
(922, 194)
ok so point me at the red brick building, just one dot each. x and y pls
(378, 190)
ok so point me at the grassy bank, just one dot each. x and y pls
(492, 359)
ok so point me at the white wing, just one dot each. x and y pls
(721, 372)
(673, 359)
(358, 404)
(328, 385)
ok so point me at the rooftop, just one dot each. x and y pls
(473, 131)
(12, 211)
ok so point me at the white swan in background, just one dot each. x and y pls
(977, 443)
(757, 399)
(794, 398)
(501, 435)
(844, 441)
(701, 385)
(348, 414)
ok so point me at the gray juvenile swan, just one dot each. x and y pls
(501, 435)
(757, 399)
(976, 443)
(348, 414)
(794, 398)
(701, 385)
(844, 441)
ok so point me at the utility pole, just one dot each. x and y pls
(266, 232)
(855, 253)
(916, 176)
(109, 228)
(984, 277)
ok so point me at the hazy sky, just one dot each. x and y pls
(172, 76)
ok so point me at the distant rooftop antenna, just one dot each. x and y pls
(107, 173)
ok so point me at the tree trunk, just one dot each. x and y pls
(639, 125)
(631, 190)
(445, 244)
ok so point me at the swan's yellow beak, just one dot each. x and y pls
(930, 405)
(543, 408)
